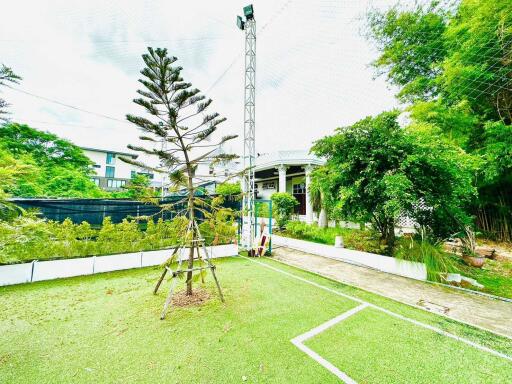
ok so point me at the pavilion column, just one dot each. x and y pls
(282, 177)
(309, 208)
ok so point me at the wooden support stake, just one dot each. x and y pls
(165, 271)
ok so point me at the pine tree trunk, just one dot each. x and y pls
(191, 215)
(388, 235)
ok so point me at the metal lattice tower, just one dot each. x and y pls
(249, 156)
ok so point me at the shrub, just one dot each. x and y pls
(28, 237)
(283, 204)
(361, 240)
(424, 250)
(228, 189)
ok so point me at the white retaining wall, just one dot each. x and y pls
(387, 264)
(54, 269)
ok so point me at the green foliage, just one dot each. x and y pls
(228, 189)
(411, 48)
(497, 150)
(379, 171)
(428, 252)
(139, 188)
(263, 209)
(53, 167)
(11, 170)
(220, 227)
(360, 240)
(28, 237)
(455, 65)
(283, 204)
(478, 64)
(45, 148)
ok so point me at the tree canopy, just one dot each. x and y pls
(379, 170)
(58, 168)
(453, 68)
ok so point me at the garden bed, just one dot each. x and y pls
(29, 238)
(496, 275)
(382, 263)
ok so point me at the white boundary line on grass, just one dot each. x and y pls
(299, 343)
(396, 315)
(398, 300)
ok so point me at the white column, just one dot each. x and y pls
(309, 209)
(282, 177)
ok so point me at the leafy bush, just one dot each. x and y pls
(263, 209)
(283, 204)
(228, 189)
(28, 237)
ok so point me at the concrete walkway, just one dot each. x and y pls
(480, 311)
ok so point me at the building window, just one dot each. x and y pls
(96, 181)
(133, 174)
(112, 183)
(269, 185)
(111, 158)
(210, 170)
(299, 188)
(109, 171)
(150, 176)
(97, 166)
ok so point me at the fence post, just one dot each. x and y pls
(270, 226)
(93, 264)
(32, 270)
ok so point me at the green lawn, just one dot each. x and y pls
(106, 329)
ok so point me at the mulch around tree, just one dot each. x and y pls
(199, 296)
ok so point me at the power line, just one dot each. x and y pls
(68, 124)
(67, 105)
(117, 41)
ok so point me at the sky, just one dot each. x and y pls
(313, 72)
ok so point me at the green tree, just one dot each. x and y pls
(11, 170)
(382, 171)
(59, 168)
(455, 65)
(139, 188)
(283, 204)
(229, 189)
(44, 147)
(411, 48)
(178, 120)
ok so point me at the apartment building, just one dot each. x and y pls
(111, 173)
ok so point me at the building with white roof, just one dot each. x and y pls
(287, 171)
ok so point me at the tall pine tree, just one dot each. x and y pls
(179, 132)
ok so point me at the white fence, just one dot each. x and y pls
(54, 269)
(387, 264)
